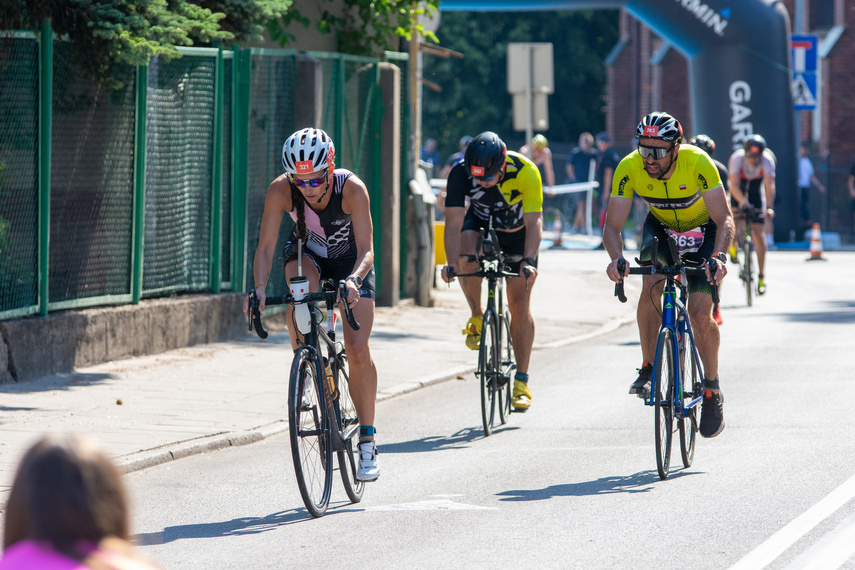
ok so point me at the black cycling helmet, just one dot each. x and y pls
(659, 125)
(755, 144)
(485, 155)
(705, 143)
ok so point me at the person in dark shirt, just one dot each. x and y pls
(579, 169)
(606, 164)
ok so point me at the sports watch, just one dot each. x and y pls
(357, 280)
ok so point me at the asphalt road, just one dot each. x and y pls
(573, 482)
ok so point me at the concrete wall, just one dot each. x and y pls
(39, 346)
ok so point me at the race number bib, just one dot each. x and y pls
(688, 242)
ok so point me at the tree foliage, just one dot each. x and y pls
(105, 34)
(366, 27)
(475, 98)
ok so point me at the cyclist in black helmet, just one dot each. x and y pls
(686, 198)
(505, 186)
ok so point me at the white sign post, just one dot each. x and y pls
(530, 80)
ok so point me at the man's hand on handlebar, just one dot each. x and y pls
(448, 272)
(720, 269)
(613, 272)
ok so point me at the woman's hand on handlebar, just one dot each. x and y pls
(352, 294)
(260, 294)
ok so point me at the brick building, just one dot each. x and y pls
(646, 73)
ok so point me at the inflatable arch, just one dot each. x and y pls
(738, 54)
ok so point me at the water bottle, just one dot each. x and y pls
(302, 316)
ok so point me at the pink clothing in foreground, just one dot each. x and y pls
(27, 554)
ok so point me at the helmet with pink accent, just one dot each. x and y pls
(308, 150)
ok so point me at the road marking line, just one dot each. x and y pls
(776, 544)
(832, 551)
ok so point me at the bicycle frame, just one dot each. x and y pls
(675, 318)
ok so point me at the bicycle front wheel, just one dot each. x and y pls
(663, 399)
(348, 427)
(508, 365)
(308, 424)
(489, 372)
(691, 389)
(748, 272)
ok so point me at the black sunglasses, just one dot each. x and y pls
(656, 152)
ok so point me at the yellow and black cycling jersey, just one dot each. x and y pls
(677, 202)
(519, 191)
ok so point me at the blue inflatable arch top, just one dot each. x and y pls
(738, 54)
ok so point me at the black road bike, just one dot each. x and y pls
(321, 416)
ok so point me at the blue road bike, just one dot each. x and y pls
(676, 389)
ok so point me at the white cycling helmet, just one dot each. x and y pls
(308, 150)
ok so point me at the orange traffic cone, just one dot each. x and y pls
(556, 227)
(816, 244)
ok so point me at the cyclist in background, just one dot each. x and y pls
(333, 221)
(542, 157)
(752, 185)
(505, 186)
(686, 198)
(706, 144)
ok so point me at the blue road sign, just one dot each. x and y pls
(804, 55)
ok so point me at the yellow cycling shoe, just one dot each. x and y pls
(521, 400)
(732, 252)
(473, 333)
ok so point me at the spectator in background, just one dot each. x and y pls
(606, 164)
(430, 159)
(852, 189)
(579, 169)
(542, 157)
(806, 178)
(68, 510)
(456, 157)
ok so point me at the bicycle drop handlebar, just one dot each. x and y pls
(653, 268)
(326, 296)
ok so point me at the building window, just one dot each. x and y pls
(821, 14)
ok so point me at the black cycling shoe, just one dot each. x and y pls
(642, 383)
(712, 415)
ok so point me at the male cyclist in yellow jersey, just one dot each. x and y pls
(686, 198)
(505, 186)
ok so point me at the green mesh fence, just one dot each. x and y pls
(271, 121)
(18, 175)
(96, 196)
(178, 174)
(92, 167)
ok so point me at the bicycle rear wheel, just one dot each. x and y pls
(308, 424)
(348, 427)
(748, 272)
(663, 399)
(489, 372)
(508, 365)
(691, 389)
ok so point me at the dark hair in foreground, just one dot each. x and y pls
(66, 491)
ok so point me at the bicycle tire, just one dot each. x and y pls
(508, 365)
(665, 364)
(748, 272)
(348, 426)
(691, 388)
(488, 370)
(308, 423)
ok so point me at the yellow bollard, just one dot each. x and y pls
(439, 247)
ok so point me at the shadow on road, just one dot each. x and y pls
(457, 440)
(641, 482)
(234, 527)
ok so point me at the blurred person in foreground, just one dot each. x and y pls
(68, 510)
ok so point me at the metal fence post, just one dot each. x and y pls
(241, 68)
(216, 179)
(45, 121)
(137, 239)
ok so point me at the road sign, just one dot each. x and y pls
(530, 79)
(804, 55)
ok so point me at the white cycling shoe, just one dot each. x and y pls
(368, 468)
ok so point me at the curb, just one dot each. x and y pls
(173, 451)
